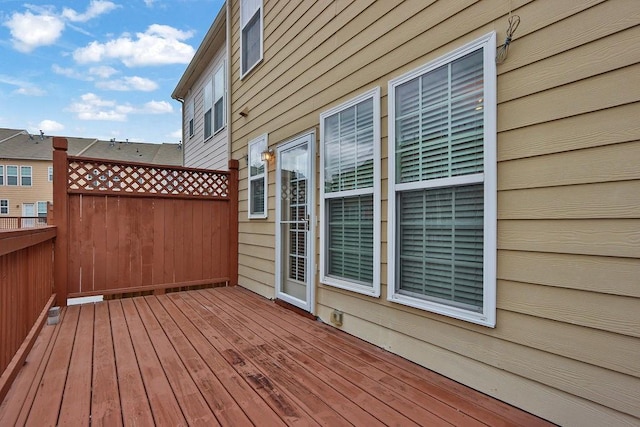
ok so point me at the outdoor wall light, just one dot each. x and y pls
(267, 155)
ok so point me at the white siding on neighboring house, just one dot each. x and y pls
(201, 152)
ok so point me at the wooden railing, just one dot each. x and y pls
(134, 227)
(26, 293)
(13, 222)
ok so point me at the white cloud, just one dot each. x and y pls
(177, 134)
(23, 87)
(30, 91)
(95, 9)
(102, 71)
(129, 83)
(92, 107)
(29, 31)
(43, 25)
(69, 72)
(149, 3)
(157, 107)
(49, 126)
(159, 45)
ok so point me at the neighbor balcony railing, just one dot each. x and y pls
(13, 222)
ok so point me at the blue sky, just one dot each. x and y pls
(98, 68)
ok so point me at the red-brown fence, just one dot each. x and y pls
(131, 227)
(26, 293)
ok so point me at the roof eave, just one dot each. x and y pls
(214, 38)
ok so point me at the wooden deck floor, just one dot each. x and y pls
(225, 356)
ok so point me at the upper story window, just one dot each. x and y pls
(188, 117)
(50, 173)
(251, 25)
(12, 175)
(258, 184)
(214, 117)
(350, 195)
(218, 99)
(1, 174)
(442, 185)
(4, 207)
(25, 175)
(208, 108)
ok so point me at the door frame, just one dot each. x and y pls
(308, 137)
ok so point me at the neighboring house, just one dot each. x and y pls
(26, 166)
(202, 90)
(479, 219)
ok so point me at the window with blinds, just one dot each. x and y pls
(25, 176)
(218, 99)
(442, 187)
(251, 34)
(12, 175)
(350, 136)
(207, 107)
(257, 203)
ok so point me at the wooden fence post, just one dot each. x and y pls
(233, 222)
(61, 220)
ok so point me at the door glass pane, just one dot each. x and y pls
(294, 174)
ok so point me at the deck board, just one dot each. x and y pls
(163, 402)
(105, 397)
(226, 356)
(46, 405)
(133, 397)
(76, 398)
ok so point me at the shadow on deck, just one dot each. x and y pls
(226, 356)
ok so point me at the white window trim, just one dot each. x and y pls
(373, 290)
(7, 175)
(262, 139)
(223, 96)
(30, 176)
(8, 210)
(2, 177)
(243, 73)
(50, 173)
(488, 315)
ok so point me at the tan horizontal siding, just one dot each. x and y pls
(611, 313)
(617, 162)
(587, 201)
(600, 56)
(601, 274)
(607, 237)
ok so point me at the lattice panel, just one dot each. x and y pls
(131, 178)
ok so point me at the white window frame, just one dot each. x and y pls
(29, 175)
(342, 283)
(207, 107)
(17, 176)
(50, 173)
(2, 180)
(489, 177)
(219, 71)
(4, 206)
(262, 141)
(244, 20)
